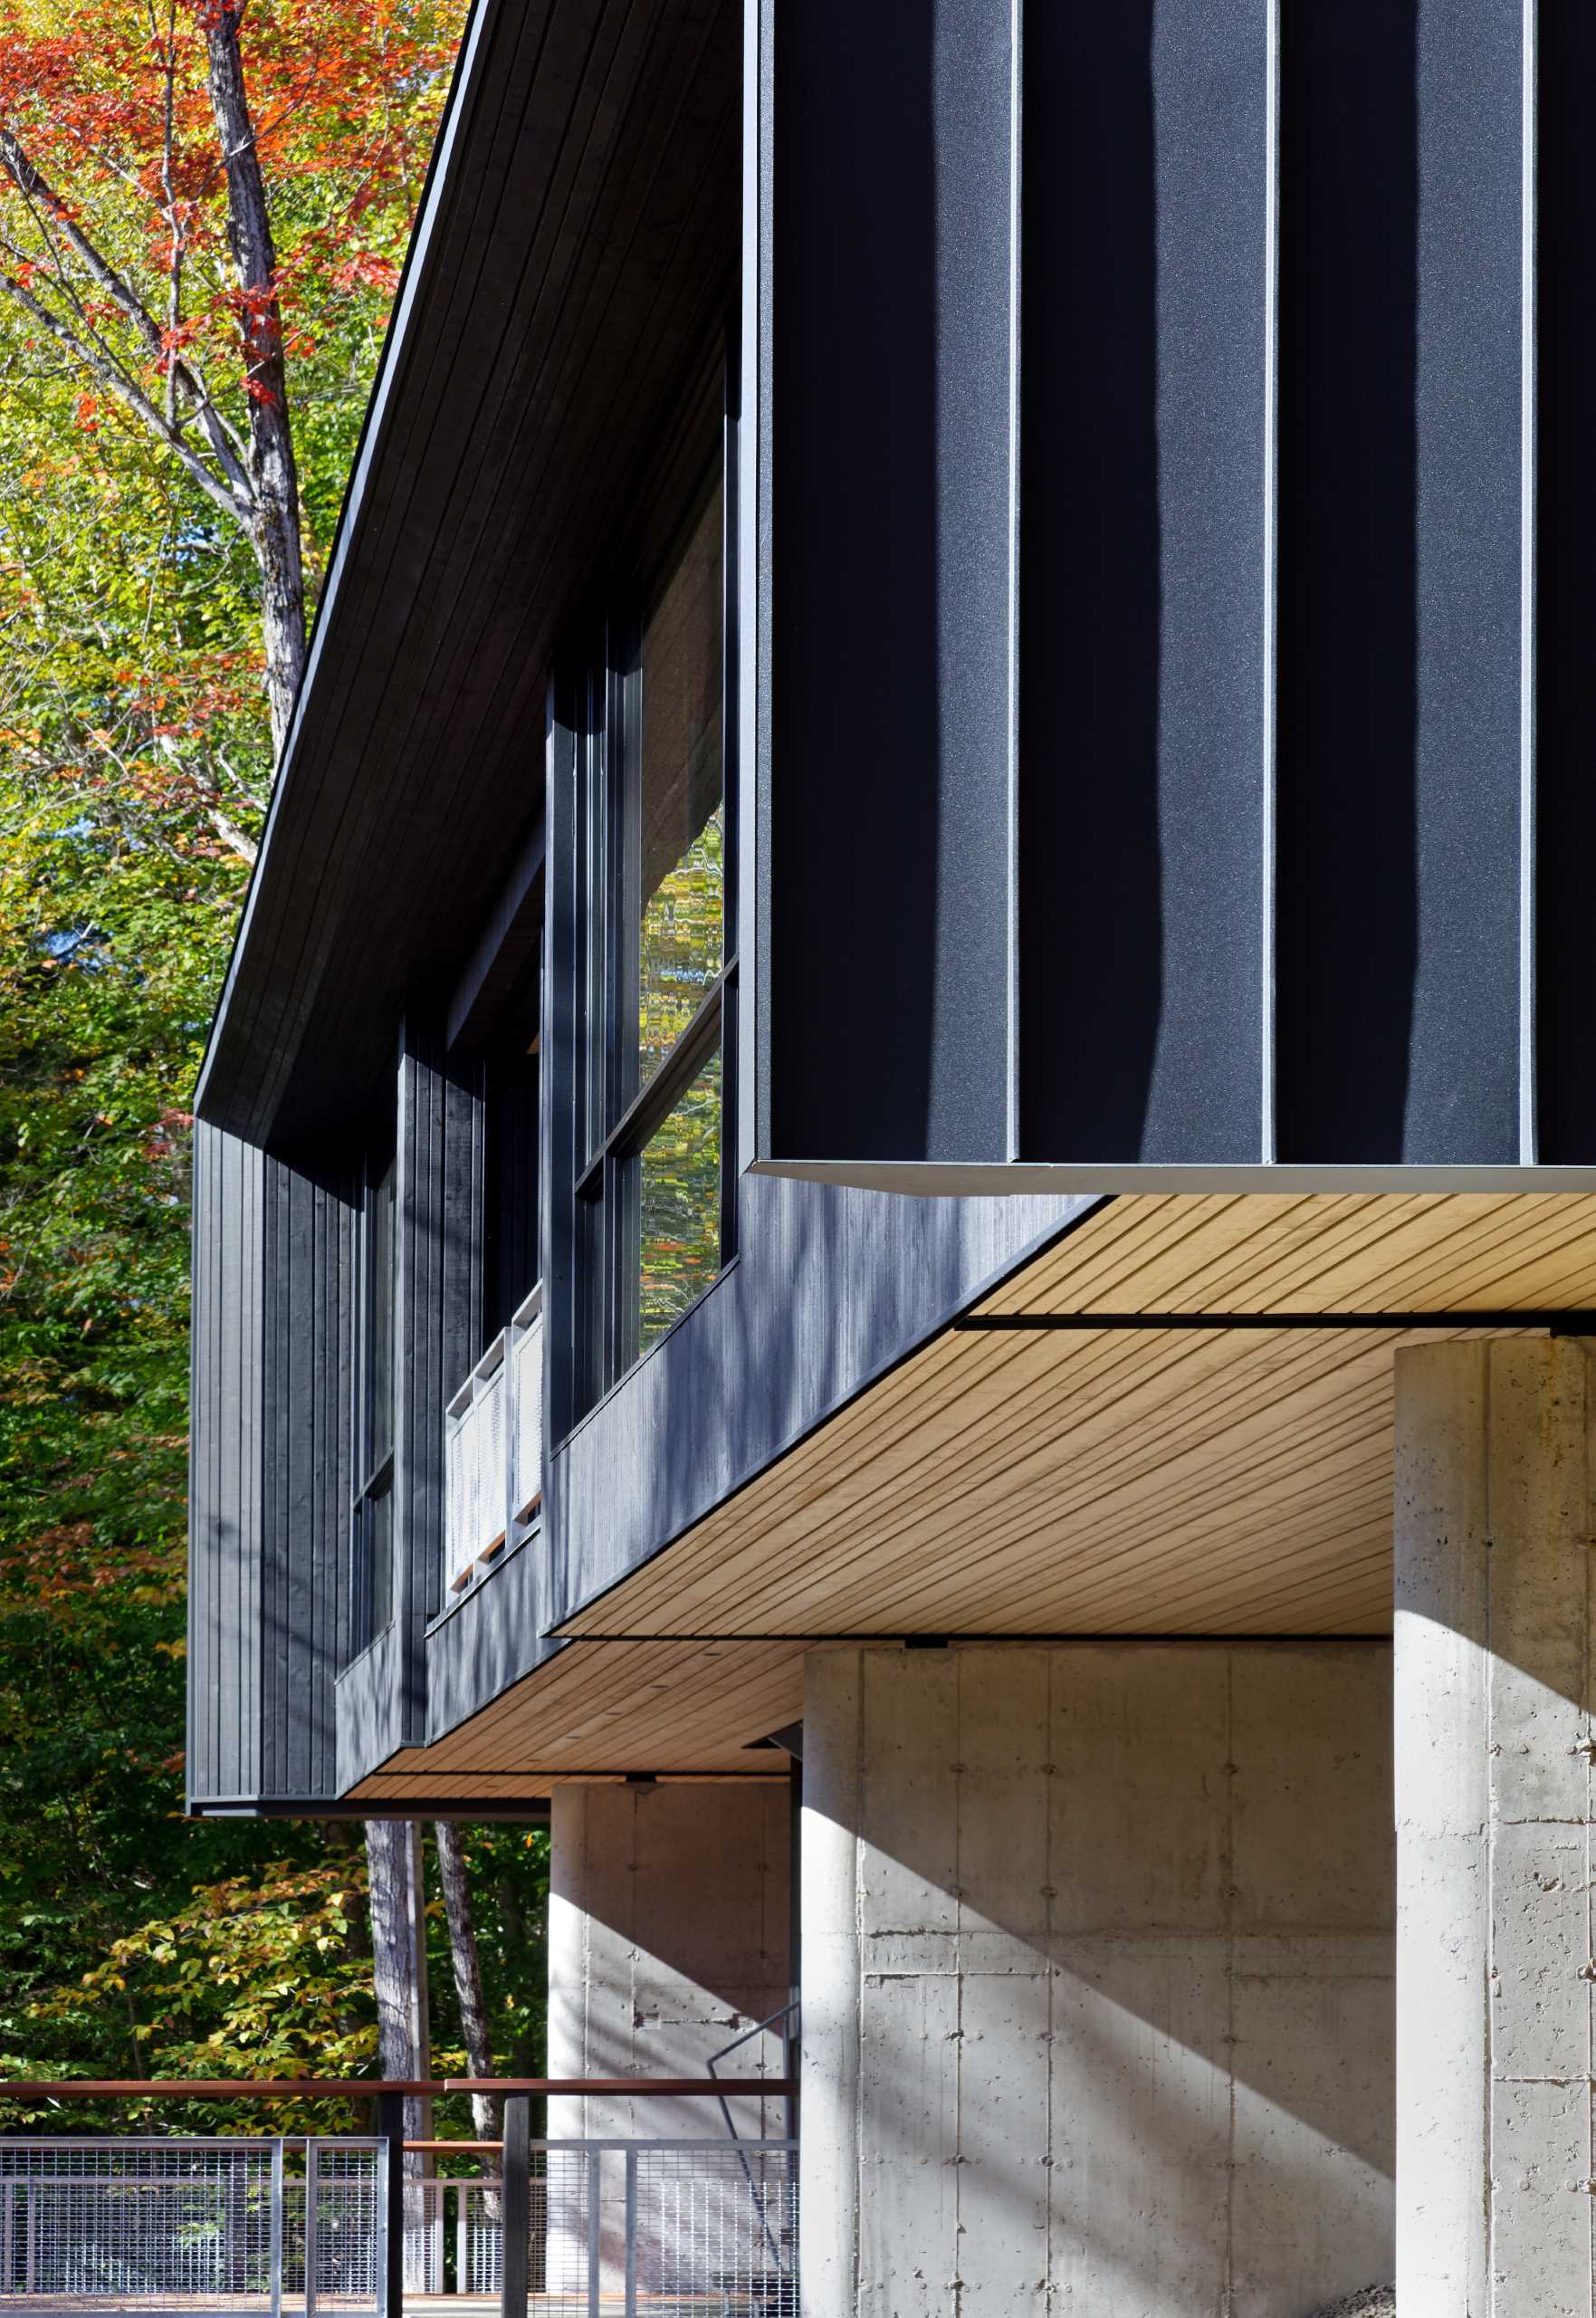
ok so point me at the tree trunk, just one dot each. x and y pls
(274, 530)
(397, 1901)
(486, 2113)
(526, 2057)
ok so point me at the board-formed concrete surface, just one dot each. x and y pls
(668, 1937)
(1098, 1979)
(1495, 1638)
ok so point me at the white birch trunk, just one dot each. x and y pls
(397, 1904)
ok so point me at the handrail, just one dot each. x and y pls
(362, 2088)
(558, 2086)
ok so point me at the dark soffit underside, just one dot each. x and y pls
(574, 256)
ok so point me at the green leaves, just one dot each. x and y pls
(135, 765)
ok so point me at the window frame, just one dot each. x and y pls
(606, 1187)
(371, 1603)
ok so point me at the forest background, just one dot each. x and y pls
(150, 392)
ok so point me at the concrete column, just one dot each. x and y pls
(668, 1936)
(1097, 1979)
(1494, 1748)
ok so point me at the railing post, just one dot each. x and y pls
(515, 2205)
(390, 2206)
(631, 2231)
(311, 2224)
(595, 2226)
(508, 1391)
(461, 2237)
(274, 2251)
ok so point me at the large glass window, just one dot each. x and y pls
(660, 977)
(680, 906)
(512, 1253)
(679, 1203)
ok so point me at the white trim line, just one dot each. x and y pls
(1528, 1132)
(1267, 1027)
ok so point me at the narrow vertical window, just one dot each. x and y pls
(660, 972)
(680, 851)
(371, 1527)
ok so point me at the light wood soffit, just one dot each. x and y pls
(1124, 1480)
(998, 1483)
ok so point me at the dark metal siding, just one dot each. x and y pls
(269, 1472)
(831, 1286)
(892, 593)
(1400, 547)
(309, 1307)
(438, 1326)
(225, 1753)
(1143, 447)
(1565, 599)
(1267, 889)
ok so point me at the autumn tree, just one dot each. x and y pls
(202, 206)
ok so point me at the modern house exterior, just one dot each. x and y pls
(896, 1192)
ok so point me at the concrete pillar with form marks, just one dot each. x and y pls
(1097, 1978)
(1497, 1985)
(668, 1939)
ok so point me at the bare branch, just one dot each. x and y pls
(175, 266)
(37, 191)
(42, 197)
(231, 834)
(132, 397)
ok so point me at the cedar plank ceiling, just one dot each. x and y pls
(1125, 1480)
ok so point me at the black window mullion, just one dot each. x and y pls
(625, 876)
(625, 1111)
(728, 1036)
(371, 1400)
(680, 1068)
(623, 1206)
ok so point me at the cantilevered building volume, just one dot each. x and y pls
(905, 1122)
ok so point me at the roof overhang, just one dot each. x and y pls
(1174, 1420)
(573, 259)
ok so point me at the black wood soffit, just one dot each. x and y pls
(574, 256)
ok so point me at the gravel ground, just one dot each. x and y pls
(1369, 2302)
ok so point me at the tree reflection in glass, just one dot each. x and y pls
(681, 944)
(679, 1234)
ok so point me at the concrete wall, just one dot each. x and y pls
(1496, 1640)
(1098, 1975)
(667, 1938)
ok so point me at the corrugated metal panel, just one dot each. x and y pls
(1564, 575)
(224, 1541)
(892, 593)
(1143, 431)
(1400, 547)
(269, 1472)
(309, 1331)
(1282, 750)
(439, 1327)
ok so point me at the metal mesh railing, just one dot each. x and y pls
(190, 2226)
(185, 2228)
(479, 2239)
(712, 2224)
